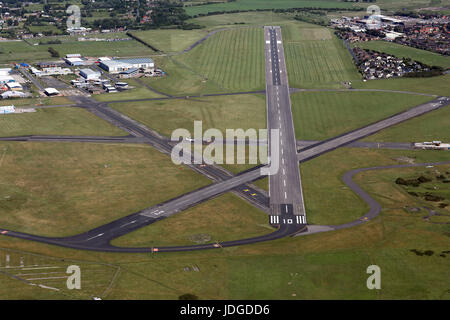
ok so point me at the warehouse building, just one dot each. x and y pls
(74, 61)
(14, 86)
(90, 74)
(123, 65)
(51, 92)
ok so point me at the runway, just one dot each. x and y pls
(285, 189)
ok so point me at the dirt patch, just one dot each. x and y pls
(405, 159)
(200, 238)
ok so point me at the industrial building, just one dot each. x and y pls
(51, 92)
(14, 86)
(124, 65)
(74, 61)
(7, 109)
(50, 71)
(90, 74)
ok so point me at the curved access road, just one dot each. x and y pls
(375, 207)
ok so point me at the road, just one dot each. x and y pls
(37, 138)
(31, 78)
(285, 189)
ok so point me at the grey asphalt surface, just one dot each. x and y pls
(94, 139)
(285, 189)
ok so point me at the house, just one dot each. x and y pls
(90, 74)
(43, 65)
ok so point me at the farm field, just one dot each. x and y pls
(429, 127)
(427, 57)
(435, 85)
(56, 121)
(170, 40)
(315, 58)
(61, 189)
(224, 218)
(323, 115)
(222, 112)
(264, 4)
(297, 266)
(233, 60)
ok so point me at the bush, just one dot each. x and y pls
(188, 296)
(423, 179)
(430, 197)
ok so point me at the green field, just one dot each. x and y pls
(321, 266)
(61, 189)
(181, 79)
(19, 51)
(265, 4)
(242, 18)
(56, 121)
(429, 127)
(33, 102)
(40, 29)
(222, 219)
(435, 85)
(323, 115)
(328, 200)
(315, 58)
(222, 112)
(426, 57)
(170, 40)
(233, 60)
